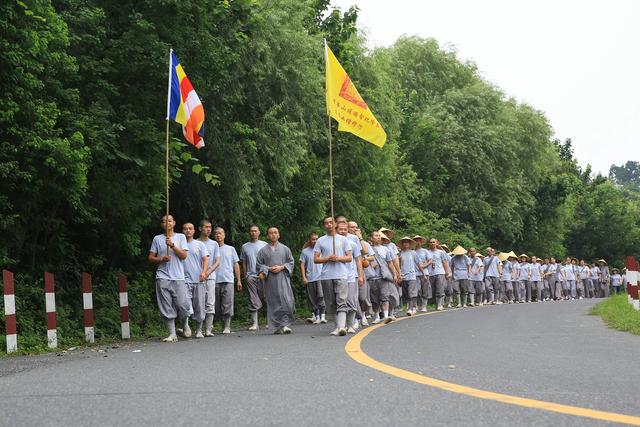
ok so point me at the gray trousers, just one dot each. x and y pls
(507, 290)
(394, 296)
(537, 287)
(196, 298)
(558, 289)
(255, 287)
(547, 289)
(224, 300)
(437, 285)
(172, 298)
(364, 297)
(352, 297)
(571, 284)
(315, 297)
(580, 288)
(478, 288)
(411, 288)
(210, 296)
(335, 293)
(526, 295)
(424, 290)
(491, 288)
(604, 288)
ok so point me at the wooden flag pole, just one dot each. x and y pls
(326, 57)
(331, 181)
(166, 218)
(166, 160)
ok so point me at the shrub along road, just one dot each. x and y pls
(554, 352)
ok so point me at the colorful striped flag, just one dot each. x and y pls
(183, 104)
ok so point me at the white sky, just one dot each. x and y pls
(578, 61)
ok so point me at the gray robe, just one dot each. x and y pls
(277, 286)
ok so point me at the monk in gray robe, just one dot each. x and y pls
(274, 263)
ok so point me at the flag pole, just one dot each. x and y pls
(166, 160)
(326, 57)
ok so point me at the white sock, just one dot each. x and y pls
(385, 314)
(341, 319)
(254, 317)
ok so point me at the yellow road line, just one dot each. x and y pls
(354, 350)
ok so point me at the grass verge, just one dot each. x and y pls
(618, 314)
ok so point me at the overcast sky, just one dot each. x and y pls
(577, 61)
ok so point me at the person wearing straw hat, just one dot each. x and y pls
(515, 278)
(616, 281)
(535, 277)
(595, 274)
(409, 266)
(424, 285)
(505, 293)
(476, 287)
(334, 253)
(524, 279)
(382, 273)
(492, 273)
(461, 266)
(439, 271)
(604, 278)
(395, 288)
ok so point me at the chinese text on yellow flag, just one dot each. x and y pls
(345, 104)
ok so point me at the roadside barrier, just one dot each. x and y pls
(9, 311)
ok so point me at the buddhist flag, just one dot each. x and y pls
(183, 104)
(345, 104)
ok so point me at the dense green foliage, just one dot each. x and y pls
(82, 140)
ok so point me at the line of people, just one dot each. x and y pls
(350, 277)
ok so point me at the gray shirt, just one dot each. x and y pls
(193, 264)
(214, 253)
(459, 265)
(333, 270)
(174, 269)
(408, 261)
(312, 270)
(228, 259)
(248, 253)
(438, 257)
(491, 266)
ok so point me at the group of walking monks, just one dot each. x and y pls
(354, 278)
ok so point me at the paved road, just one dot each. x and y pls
(553, 351)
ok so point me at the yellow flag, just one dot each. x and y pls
(345, 104)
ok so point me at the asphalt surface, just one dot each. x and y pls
(549, 351)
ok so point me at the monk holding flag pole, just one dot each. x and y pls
(184, 107)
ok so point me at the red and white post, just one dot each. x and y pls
(123, 287)
(50, 305)
(10, 311)
(87, 303)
